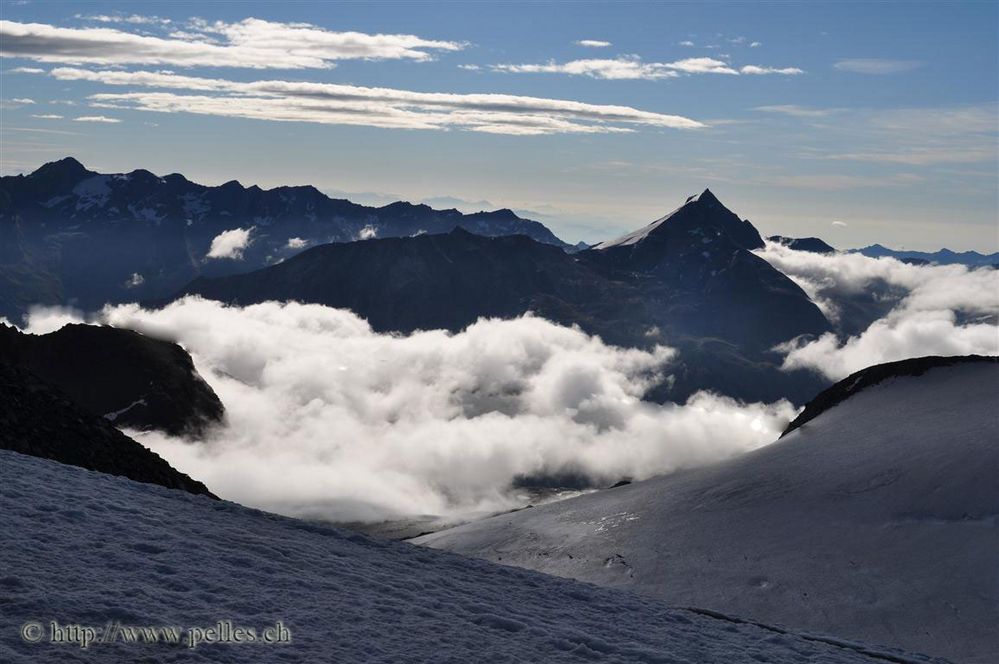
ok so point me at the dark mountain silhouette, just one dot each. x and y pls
(688, 280)
(813, 244)
(69, 235)
(942, 257)
(128, 378)
(38, 419)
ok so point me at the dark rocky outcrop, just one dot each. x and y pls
(129, 378)
(812, 244)
(39, 420)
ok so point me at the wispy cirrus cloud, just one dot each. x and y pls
(592, 43)
(328, 103)
(797, 111)
(134, 19)
(250, 43)
(96, 118)
(876, 66)
(630, 68)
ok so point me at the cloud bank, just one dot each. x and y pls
(327, 418)
(932, 309)
(328, 103)
(250, 43)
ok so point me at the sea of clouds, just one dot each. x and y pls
(327, 418)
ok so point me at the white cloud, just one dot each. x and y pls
(470, 67)
(329, 103)
(841, 224)
(251, 43)
(686, 43)
(296, 243)
(96, 118)
(760, 71)
(25, 70)
(47, 116)
(797, 111)
(327, 418)
(19, 101)
(134, 19)
(633, 68)
(936, 309)
(876, 66)
(230, 243)
(593, 43)
(756, 44)
(369, 232)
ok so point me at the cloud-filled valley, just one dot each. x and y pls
(918, 309)
(328, 419)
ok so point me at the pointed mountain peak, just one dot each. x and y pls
(66, 167)
(704, 197)
(699, 214)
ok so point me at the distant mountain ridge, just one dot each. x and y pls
(69, 235)
(942, 257)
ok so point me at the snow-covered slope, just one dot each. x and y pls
(875, 521)
(82, 548)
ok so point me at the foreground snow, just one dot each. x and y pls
(84, 548)
(874, 521)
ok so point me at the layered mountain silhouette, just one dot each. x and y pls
(69, 235)
(942, 257)
(125, 377)
(689, 280)
(38, 419)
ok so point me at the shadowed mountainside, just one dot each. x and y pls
(129, 378)
(39, 420)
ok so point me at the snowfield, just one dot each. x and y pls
(83, 548)
(875, 521)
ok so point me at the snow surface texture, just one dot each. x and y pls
(84, 548)
(874, 521)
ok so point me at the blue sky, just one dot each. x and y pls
(856, 122)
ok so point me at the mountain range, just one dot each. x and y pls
(942, 257)
(69, 235)
(688, 280)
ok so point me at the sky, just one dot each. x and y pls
(855, 122)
